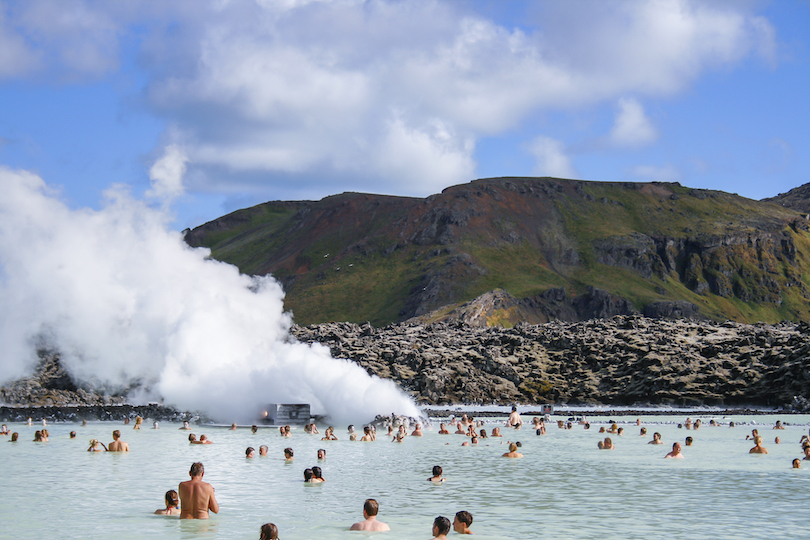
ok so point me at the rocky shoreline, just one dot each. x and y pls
(622, 361)
(627, 361)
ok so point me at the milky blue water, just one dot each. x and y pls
(564, 487)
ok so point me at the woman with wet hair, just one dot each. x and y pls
(317, 475)
(268, 532)
(172, 504)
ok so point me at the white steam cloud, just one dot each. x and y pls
(128, 303)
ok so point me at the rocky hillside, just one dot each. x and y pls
(797, 199)
(625, 360)
(360, 257)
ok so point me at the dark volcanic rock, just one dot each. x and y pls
(625, 360)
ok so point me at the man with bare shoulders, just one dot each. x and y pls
(514, 419)
(117, 445)
(370, 508)
(676, 451)
(196, 497)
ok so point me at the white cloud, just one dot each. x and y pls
(262, 89)
(551, 158)
(632, 127)
(663, 173)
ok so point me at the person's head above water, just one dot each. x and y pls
(370, 507)
(307, 475)
(268, 532)
(172, 499)
(437, 471)
(288, 453)
(316, 472)
(197, 469)
(441, 525)
(249, 452)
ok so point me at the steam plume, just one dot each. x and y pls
(129, 304)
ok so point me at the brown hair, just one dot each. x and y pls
(371, 507)
(197, 469)
(464, 517)
(172, 499)
(269, 532)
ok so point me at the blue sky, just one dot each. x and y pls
(210, 106)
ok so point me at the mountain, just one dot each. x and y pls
(797, 199)
(562, 249)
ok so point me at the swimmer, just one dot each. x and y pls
(460, 429)
(72, 434)
(268, 532)
(443, 430)
(441, 526)
(758, 448)
(688, 423)
(688, 441)
(96, 446)
(38, 436)
(418, 431)
(288, 454)
(390, 430)
(196, 497)
(778, 425)
(536, 422)
(185, 425)
(512, 453)
(172, 504)
(806, 451)
(249, 452)
(496, 432)
(317, 475)
(44, 421)
(193, 439)
(126, 421)
(263, 450)
(370, 523)
(587, 426)
(4, 430)
(607, 444)
(118, 445)
(351, 429)
(676, 451)
(321, 454)
(281, 431)
(155, 426)
(483, 434)
(233, 427)
(753, 436)
(308, 476)
(620, 431)
(777, 440)
(643, 432)
(14, 437)
(462, 522)
(697, 424)
(366, 435)
(656, 439)
(437, 475)
(30, 421)
(254, 429)
(398, 438)
(602, 429)
(314, 429)
(614, 428)
(288, 433)
(514, 419)
(797, 464)
(329, 435)
(138, 422)
(474, 441)
(205, 440)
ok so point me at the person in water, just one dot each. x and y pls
(308, 476)
(496, 432)
(370, 522)
(514, 419)
(268, 532)
(512, 453)
(797, 464)
(14, 437)
(443, 430)
(437, 475)
(317, 475)
(656, 439)
(462, 522)
(196, 497)
(676, 451)
(367, 437)
(263, 450)
(417, 432)
(185, 425)
(607, 444)
(321, 454)
(758, 448)
(96, 446)
(172, 504)
(4, 430)
(288, 454)
(441, 526)
(249, 452)
(118, 445)
(205, 440)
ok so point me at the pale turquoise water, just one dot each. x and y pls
(565, 488)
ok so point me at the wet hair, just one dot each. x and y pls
(513, 447)
(437, 471)
(307, 475)
(366, 430)
(518, 444)
(442, 525)
(688, 441)
(172, 499)
(321, 450)
(72, 434)
(464, 517)
(192, 437)
(249, 450)
(263, 447)
(268, 532)
(196, 468)
(797, 464)
(288, 452)
(254, 428)
(370, 507)
(37, 435)
(316, 472)
(116, 434)
(14, 436)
